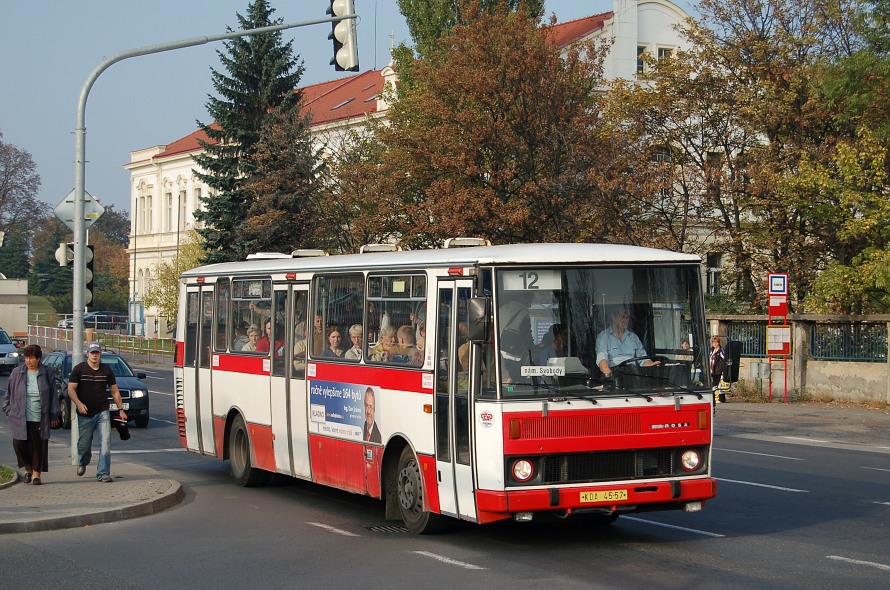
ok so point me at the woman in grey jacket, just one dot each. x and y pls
(32, 406)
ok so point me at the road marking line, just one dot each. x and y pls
(807, 439)
(884, 503)
(760, 454)
(335, 530)
(763, 485)
(449, 561)
(161, 393)
(153, 377)
(164, 421)
(876, 469)
(880, 566)
(140, 452)
(673, 526)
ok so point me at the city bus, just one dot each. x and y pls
(470, 382)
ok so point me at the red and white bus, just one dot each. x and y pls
(481, 383)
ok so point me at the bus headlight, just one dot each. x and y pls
(523, 470)
(690, 460)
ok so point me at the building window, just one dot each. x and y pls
(168, 225)
(664, 52)
(183, 203)
(641, 49)
(148, 213)
(714, 264)
(661, 153)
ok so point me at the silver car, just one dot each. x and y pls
(10, 356)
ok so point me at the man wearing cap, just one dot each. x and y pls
(86, 388)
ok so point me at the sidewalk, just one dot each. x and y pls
(66, 501)
(839, 422)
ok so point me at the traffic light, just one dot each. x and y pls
(65, 254)
(88, 276)
(343, 35)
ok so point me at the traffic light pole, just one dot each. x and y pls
(80, 167)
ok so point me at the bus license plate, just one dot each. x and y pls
(113, 407)
(604, 496)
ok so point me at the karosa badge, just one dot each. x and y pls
(670, 425)
(487, 419)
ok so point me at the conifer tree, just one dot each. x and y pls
(261, 74)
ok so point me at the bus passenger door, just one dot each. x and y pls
(197, 395)
(288, 387)
(454, 402)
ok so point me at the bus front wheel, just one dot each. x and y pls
(409, 486)
(239, 457)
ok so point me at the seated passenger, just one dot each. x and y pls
(253, 335)
(386, 347)
(240, 337)
(299, 352)
(263, 344)
(617, 344)
(334, 349)
(557, 347)
(408, 351)
(355, 335)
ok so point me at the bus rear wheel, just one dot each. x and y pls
(239, 457)
(410, 490)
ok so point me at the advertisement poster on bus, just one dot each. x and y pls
(344, 410)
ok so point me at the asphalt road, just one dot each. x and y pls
(803, 502)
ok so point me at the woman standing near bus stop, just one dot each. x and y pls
(32, 407)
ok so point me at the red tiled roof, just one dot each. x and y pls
(567, 33)
(345, 98)
(351, 97)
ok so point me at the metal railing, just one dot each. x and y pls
(751, 334)
(135, 347)
(849, 341)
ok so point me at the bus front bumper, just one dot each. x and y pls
(605, 499)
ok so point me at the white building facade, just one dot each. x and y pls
(165, 191)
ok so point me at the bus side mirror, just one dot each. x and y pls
(478, 312)
(733, 359)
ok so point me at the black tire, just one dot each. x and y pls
(239, 457)
(65, 413)
(411, 492)
(141, 421)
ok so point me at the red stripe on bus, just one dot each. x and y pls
(261, 445)
(180, 354)
(338, 463)
(219, 435)
(593, 430)
(384, 377)
(431, 482)
(236, 363)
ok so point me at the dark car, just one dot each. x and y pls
(10, 354)
(99, 320)
(134, 393)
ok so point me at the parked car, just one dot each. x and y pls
(10, 355)
(134, 392)
(99, 320)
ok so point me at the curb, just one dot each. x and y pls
(166, 500)
(12, 481)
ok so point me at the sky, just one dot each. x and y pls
(50, 47)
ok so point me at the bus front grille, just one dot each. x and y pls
(607, 466)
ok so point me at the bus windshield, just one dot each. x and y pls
(592, 331)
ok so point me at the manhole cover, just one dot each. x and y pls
(387, 529)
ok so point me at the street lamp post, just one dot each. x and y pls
(80, 165)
